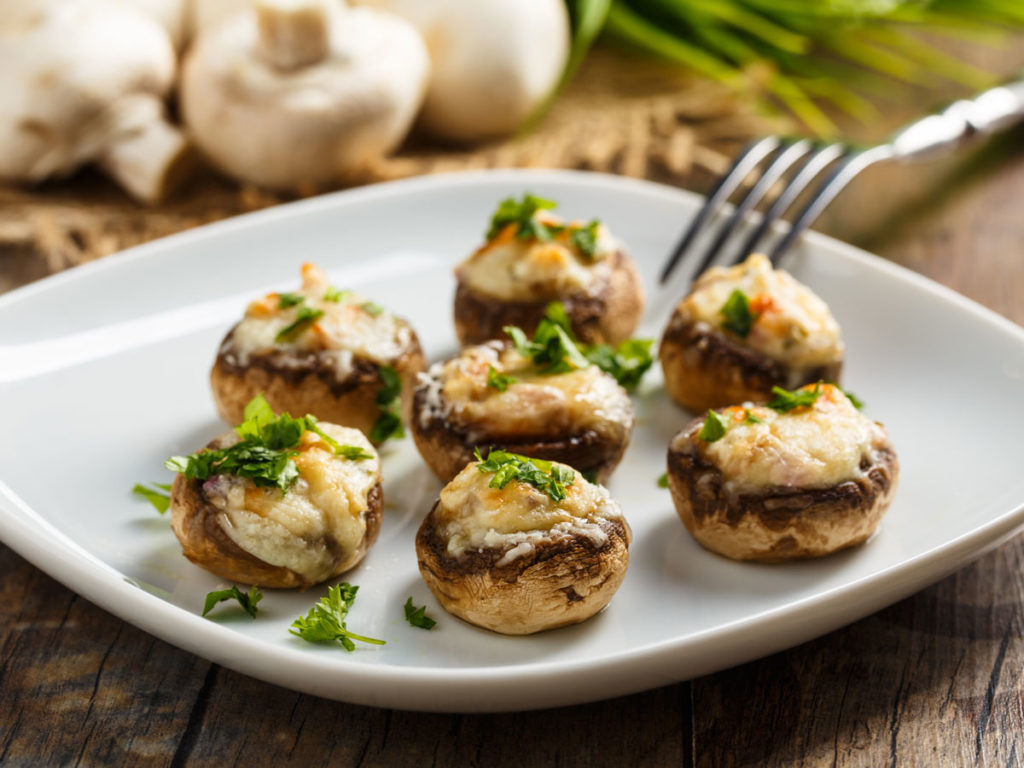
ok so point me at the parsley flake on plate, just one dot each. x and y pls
(663, 480)
(543, 475)
(158, 494)
(417, 617)
(246, 600)
(325, 622)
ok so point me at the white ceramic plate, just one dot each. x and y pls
(103, 374)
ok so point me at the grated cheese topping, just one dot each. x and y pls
(350, 327)
(516, 518)
(541, 405)
(511, 269)
(792, 324)
(809, 447)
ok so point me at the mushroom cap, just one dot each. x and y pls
(562, 577)
(306, 127)
(775, 523)
(304, 384)
(200, 527)
(67, 65)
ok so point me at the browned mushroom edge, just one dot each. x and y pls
(196, 524)
(705, 369)
(786, 523)
(532, 593)
(301, 382)
(447, 448)
(606, 314)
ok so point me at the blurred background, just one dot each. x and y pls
(126, 120)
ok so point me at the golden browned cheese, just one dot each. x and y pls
(326, 504)
(474, 516)
(792, 324)
(534, 405)
(349, 327)
(810, 447)
(513, 269)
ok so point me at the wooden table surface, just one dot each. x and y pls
(934, 680)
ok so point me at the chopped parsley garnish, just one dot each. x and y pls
(285, 300)
(737, 315)
(352, 452)
(750, 418)
(554, 349)
(785, 401)
(371, 308)
(542, 475)
(389, 422)
(585, 238)
(417, 617)
(714, 427)
(497, 380)
(522, 213)
(335, 295)
(627, 362)
(663, 480)
(158, 494)
(265, 452)
(305, 318)
(325, 622)
(247, 601)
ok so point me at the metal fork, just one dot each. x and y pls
(774, 157)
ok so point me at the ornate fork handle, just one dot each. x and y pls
(939, 134)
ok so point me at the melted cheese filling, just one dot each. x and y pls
(553, 405)
(474, 517)
(792, 326)
(315, 528)
(351, 327)
(511, 269)
(811, 447)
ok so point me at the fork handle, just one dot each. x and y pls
(987, 113)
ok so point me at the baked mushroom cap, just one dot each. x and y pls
(514, 561)
(783, 486)
(322, 526)
(328, 365)
(721, 348)
(510, 280)
(582, 418)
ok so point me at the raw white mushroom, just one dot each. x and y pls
(298, 93)
(202, 15)
(84, 81)
(169, 14)
(492, 61)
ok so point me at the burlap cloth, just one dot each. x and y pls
(623, 113)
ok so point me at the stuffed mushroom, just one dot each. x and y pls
(531, 258)
(803, 475)
(492, 395)
(743, 330)
(517, 545)
(279, 502)
(322, 351)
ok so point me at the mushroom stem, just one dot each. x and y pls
(294, 33)
(144, 153)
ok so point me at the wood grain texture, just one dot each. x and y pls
(935, 680)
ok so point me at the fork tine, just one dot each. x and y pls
(815, 164)
(792, 153)
(743, 165)
(850, 166)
